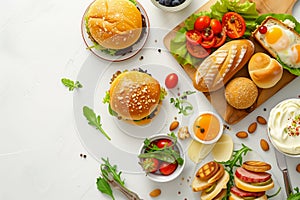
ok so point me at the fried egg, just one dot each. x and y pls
(278, 38)
(291, 56)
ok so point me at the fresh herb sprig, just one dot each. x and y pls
(182, 104)
(235, 161)
(107, 170)
(294, 196)
(94, 120)
(167, 154)
(71, 84)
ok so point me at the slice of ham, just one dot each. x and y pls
(251, 177)
(242, 193)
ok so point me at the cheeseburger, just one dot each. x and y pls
(134, 96)
(113, 24)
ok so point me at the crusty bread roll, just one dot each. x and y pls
(114, 24)
(235, 197)
(134, 95)
(241, 93)
(218, 68)
(264, 71)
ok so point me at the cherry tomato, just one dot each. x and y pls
(220, 39)
(193, 36)
(263, 29)
(234, 24)
(171, 81)
(207, 44)
(163, 143)
(167, 168)
(150, 165)
(216, 26)
(197, 50)
(202, 23)
(207, 34)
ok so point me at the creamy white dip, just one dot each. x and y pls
(284, 126)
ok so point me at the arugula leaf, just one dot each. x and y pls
(295, 196)
(104, 187)
(235, 161)
(94, 120)
(70, 84)
(182, 104)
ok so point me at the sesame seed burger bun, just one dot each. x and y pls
(134, 95)
(114, 24)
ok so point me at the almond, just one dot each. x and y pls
(174, 125)
(241, 134)
(264, 145)
(261, 120)
(298, 168)
(155, 193)
(252, 127)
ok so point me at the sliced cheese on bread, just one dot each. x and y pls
(252, 188)
(198, 151)
(223, 149)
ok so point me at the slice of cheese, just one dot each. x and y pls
(198, 151)
(223, 149)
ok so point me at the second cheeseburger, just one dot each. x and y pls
(113, 24)
(134, 96)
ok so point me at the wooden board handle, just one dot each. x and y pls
(280, 6)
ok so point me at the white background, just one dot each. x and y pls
(40, 43)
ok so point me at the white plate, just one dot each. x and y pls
(135, 48)
(251, 155)
(126, 139)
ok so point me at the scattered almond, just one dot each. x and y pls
(252, 127)
(241, 134)
(298, 168)
(155, 193)
(173, 125)
(261, 120)
(264, 145)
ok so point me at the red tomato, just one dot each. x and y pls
(197, 50)
(207, 34)
(150, 165)
(193, 36)
(216, 26)
(171, 81)
(163, 143)
(202, 23)
(167, 168)
(234, 25)
(207, 44)
(220, 39)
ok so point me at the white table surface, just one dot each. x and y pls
(40, 43)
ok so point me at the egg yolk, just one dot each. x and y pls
(277, 38)
(296, 53)
(206, 127)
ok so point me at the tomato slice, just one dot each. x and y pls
(197, 50)
(193, 36)
(207, 34)
(207, 44)
(167, 168)
(234, 24)
(220, 39)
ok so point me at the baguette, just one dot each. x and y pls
(218, 68)
(280, 40)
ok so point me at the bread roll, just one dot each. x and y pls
(264, 71)
(218, 68)
(241, 93)
(114, 24)
(134, 95)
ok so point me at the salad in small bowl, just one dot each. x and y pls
(162, 157)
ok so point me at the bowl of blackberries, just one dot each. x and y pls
(171, 5)
(162, 157)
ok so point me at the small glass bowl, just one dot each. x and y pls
(172, 8)
(217, 135)
(159, 177)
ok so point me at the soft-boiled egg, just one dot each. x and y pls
(278, 38)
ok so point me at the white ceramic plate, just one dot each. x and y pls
(251, 155)
(126, 139)
(134, 49)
